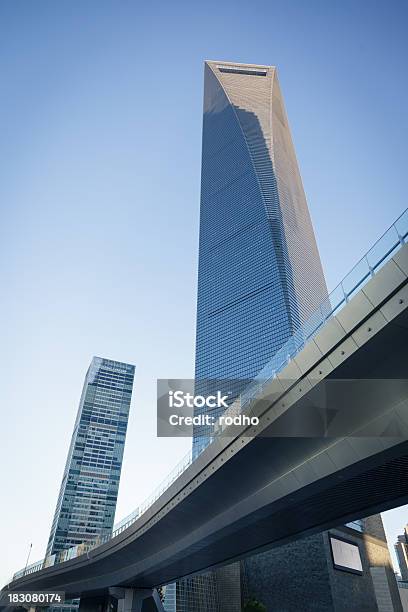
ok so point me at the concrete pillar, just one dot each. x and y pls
(136, 600)
(94, 604)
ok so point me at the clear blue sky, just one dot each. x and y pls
(100, 122)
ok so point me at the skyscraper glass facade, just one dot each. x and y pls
(260, 278)
(89, 489)
(260, 275)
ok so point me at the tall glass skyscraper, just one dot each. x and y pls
(260, 275)
(259, 279)
(89, 489)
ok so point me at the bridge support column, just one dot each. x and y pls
(137, 600)
(95, 604)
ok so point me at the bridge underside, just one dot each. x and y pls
(258, 498)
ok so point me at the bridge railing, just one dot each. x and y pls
(381, 252)
(366, 268)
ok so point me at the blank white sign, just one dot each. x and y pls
(346, 555)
